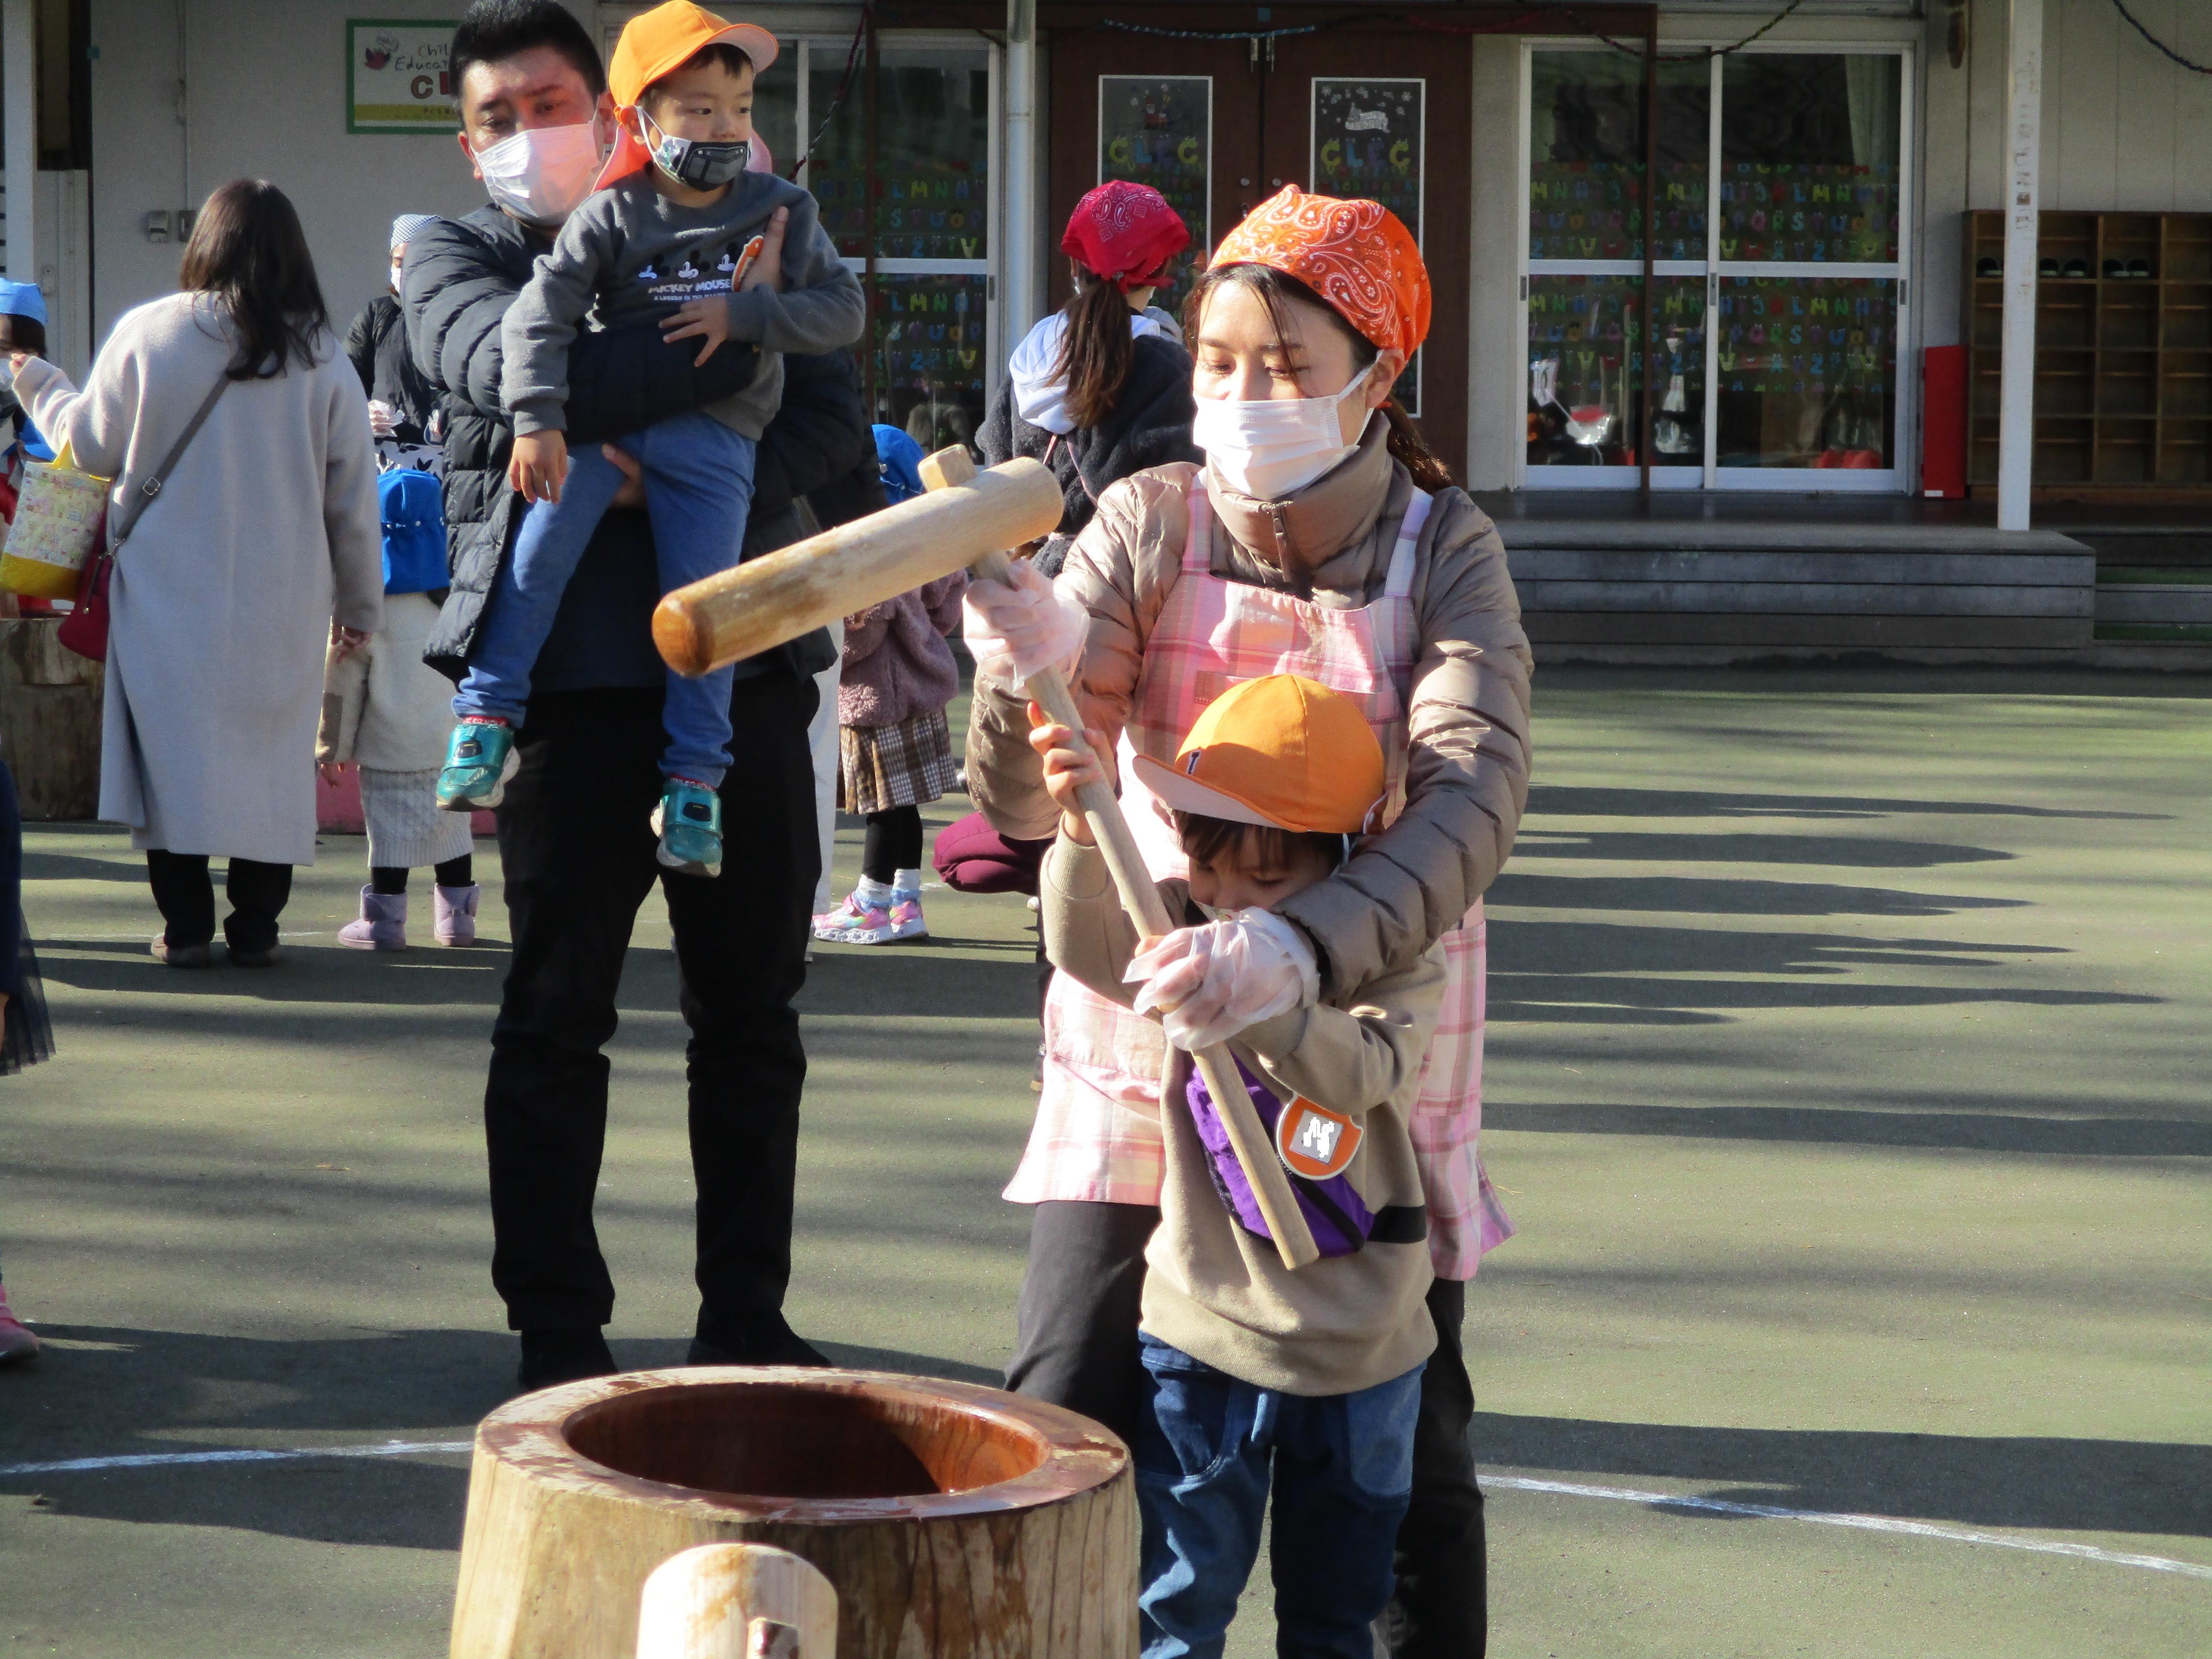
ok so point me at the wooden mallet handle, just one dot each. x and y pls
(1141, 900)
(743, 612)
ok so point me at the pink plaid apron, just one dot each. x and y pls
(1097, 1133)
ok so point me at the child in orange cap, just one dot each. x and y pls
(1314, 1375)
(673, 235)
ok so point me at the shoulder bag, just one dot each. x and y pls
(84, 630)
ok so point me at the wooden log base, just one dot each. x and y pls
(954, 1522)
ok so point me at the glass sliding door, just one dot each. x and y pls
(1811, 238)
(1779, 303)
(1587, 362)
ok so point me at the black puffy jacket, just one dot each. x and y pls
(1150, 426)
(461, 277)
(376, 346)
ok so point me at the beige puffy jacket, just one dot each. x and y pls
(1468, 777)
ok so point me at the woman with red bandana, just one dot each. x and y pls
(1101, 388)
(1098, 391)
(1319, 539)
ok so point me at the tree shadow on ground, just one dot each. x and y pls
(1978, 1132)
(105, 1392)
(2031, 1482)
(1608, 972)
(1567, 800)
(1836, 852)
(1711, 896)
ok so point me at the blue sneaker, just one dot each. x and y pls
(689, 821)
(479, 760)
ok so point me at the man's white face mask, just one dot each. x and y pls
(541, 173)
(1271, 448)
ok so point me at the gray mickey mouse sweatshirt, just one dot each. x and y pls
(628, 254)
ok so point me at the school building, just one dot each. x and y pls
(1697, 266)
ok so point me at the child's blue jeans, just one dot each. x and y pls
(1343, 1471)
(699, 491)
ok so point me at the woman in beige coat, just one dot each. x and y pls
(224, 598)
(1322, 539)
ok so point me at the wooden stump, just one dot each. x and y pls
(955, 1521)
(50, 716)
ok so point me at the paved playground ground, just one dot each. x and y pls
(1849, 1080)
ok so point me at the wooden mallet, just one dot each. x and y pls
(761, 604)
(965, 520)
(950, 469)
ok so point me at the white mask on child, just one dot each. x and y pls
(1271, 448)
(541, 173)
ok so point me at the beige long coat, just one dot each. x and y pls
(223, 596)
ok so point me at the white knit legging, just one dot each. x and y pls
(406, 828)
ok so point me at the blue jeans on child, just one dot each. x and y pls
(698, 491)
(1343, 1471)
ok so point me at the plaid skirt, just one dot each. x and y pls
(880, 767)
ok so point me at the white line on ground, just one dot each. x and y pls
(1508, 1482)
(1864, 1522)
(235, 1455)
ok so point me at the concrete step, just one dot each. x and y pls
(2165, 604)
(1758, 589)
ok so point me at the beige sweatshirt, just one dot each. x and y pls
(1219, 1293)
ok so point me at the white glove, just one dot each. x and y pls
(1214, 980)
(1015, 631)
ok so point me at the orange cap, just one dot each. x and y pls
(661, 41)
(1282, 751)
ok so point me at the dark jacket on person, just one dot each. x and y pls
(461, 277)
(376, 346)
(1149, 426)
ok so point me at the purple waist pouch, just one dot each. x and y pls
(1338, 1217)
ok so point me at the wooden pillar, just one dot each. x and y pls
(2023, 142)
(19, 131)
(1018, 224)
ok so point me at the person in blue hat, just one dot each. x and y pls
(23, 328)
(383, 710)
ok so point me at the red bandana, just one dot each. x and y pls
(1127, 234)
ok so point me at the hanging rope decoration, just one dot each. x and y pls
(844, 86)
(1223, 34)
(1704, 54)
(2135, 23)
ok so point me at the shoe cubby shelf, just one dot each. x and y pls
(2123, 362)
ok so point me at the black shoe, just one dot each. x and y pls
(761, 1338)
(265, 958)
(562, 1354)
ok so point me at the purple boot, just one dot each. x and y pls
(457, 913)
(382, 925)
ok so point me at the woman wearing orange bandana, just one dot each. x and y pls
(1321, 538)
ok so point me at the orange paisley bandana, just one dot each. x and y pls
(1355, 254)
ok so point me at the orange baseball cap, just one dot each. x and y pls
(1281, 750)
(661, 41)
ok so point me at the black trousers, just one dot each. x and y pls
(184, 893)
(1076, 1345)
(577, 845)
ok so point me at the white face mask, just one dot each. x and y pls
(541, 173)
(1274, 446)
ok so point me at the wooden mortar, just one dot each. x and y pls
(955, 1521)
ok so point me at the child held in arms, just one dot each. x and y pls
(1311, 1378)
(677, 231)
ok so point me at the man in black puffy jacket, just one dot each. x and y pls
(575, 844)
